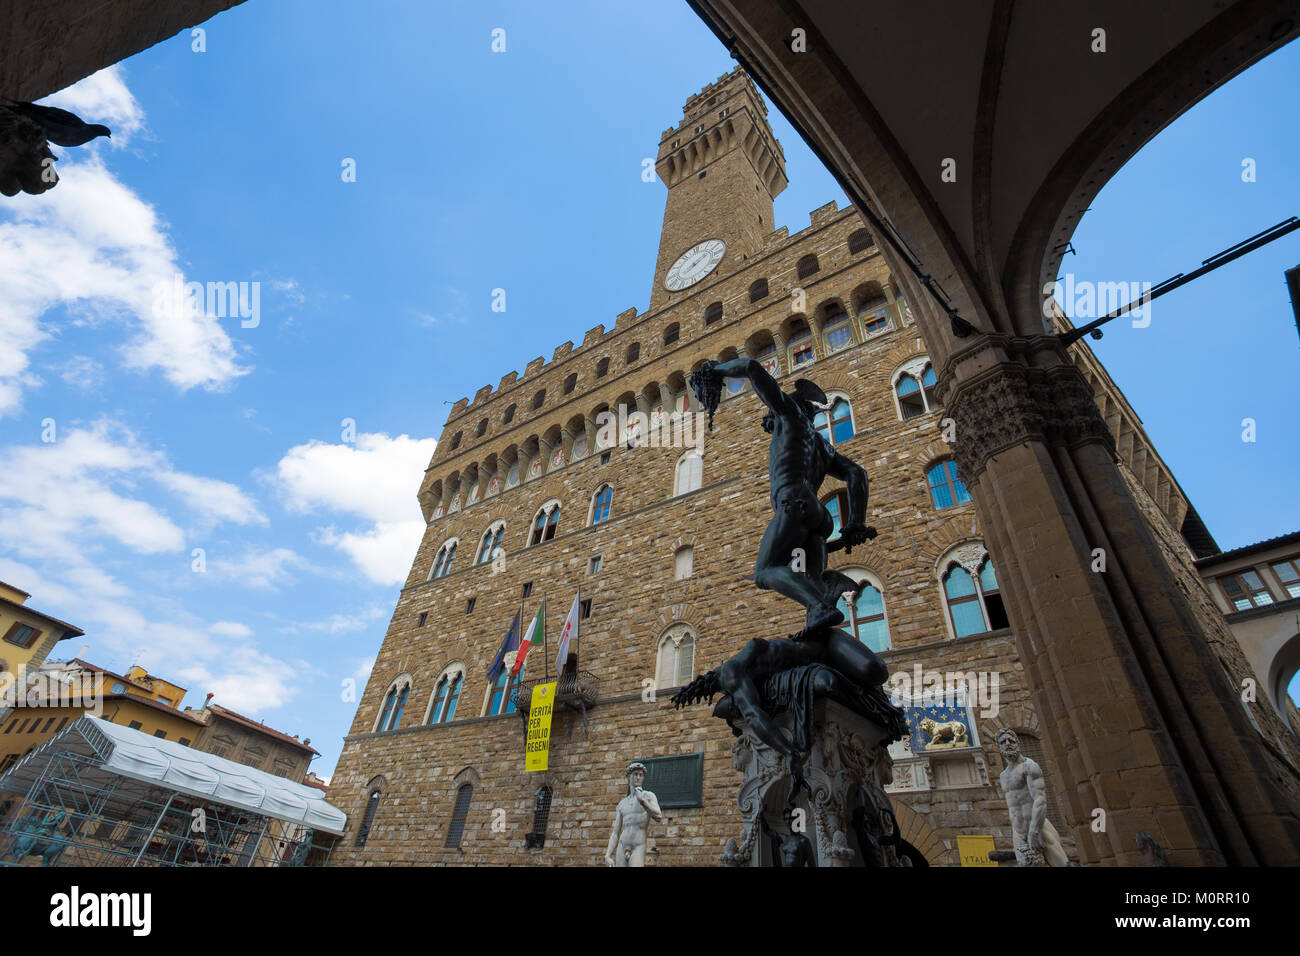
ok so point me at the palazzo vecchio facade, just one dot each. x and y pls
(526, 497)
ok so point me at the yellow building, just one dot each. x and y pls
(135, 699)
(26, 639)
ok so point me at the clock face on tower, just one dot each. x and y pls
(695, 263)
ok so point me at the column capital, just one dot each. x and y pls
(1012, 393)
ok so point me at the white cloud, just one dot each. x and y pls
(94, 246)
(213, 499)
(264, 570)
(169, 641)
(374, 480)
(64, 495)
(81, 372)
(341, 623)
(245, 679)
(231, 629)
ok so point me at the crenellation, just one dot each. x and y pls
(507, 380)
(823, 215)
(561, 352)
(533, 367)
(593, 336)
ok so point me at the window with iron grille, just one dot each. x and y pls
(456, 831)
(541, 813)
(372, 804)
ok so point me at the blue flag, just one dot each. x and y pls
(509, 644)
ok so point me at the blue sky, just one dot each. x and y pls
(474, 171)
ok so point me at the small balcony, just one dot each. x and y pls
(577, 690)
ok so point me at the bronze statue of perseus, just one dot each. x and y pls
(799, 460)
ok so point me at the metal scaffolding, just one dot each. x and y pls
(77, 811)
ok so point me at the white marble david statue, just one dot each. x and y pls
(627, 841)
(1037, 842)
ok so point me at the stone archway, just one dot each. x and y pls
(914, 828)
(1281, 670)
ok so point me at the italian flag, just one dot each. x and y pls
(536, 629)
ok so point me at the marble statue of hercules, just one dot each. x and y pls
(627, 840)
(799, 459)
(1026, 792)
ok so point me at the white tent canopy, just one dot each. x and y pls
(130, 753)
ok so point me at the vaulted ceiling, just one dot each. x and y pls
(1037, 108)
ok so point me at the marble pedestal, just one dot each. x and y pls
(847, 766)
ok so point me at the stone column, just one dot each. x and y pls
(1140, 715)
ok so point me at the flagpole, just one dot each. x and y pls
(545, 653)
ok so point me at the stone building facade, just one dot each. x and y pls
(532, 494)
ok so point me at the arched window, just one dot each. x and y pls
(835, 424)
(807, 266)
(541, 814)
(713, 313)
(873, 314)
(766, 356)
(482, 427)
(503, 691)
(545, 523)
(455, 440)
(633, 352)
(570, 383)
(837, 332)
(865, 617)
(390, 713)
(946, 489)
(602, 367)
(860, 241)
(456, 830)
(676, 658)
(689, 474)
(368, 819)
(915, 395)
(801, 344)
(671, 333)
(539, 398)
(971, 593)
(442, 562)
(488, 544)
(509, 415)
(446, 695)
(758, 290)
(600, 504)
(837, 504)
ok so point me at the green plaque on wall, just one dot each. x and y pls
(675, 781)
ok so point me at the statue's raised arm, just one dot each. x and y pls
(706, 382)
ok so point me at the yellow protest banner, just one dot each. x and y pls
(975, 850)
(538, 749)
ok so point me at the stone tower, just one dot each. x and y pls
(723, 167)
